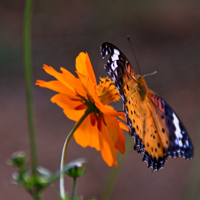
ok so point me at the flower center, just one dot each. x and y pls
(107, 91)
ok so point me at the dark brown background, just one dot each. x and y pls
(166, 38)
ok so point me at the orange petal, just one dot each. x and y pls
(89, 87)
(107, 110)
(80, 107)
(113, 127)
(64, 101)
(83, 66)
(56, 86)
(68, 106)
(74, 115)
(123, 126)
(120, 143)
(108, 151)
(70, 81)
(122, 116)
(87, 135)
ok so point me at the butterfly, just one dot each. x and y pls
(156, 128)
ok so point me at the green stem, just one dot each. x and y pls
(74, 188)
(62, 163)
(29, 93)
(109, 186)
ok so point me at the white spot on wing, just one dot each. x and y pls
(180, 143)
(187, 143)
(115, 55)
(114, 65)
(116, 51)
(177, 131)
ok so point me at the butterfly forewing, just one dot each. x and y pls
(119, 68)
(156, 128)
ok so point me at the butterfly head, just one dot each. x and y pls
(139, 77)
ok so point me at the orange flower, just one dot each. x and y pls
(100, 129)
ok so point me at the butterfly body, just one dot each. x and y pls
(157, 130)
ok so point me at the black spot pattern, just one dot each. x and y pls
(127, 87)
(116, 68)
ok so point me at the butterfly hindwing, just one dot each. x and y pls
(157, 130)
(180, 144)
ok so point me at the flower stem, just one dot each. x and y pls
(74, 187)
(29, 93)
(62, 163)
(109, 186)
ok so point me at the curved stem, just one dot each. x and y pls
(62, 163)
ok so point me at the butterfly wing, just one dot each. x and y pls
(120, 70)
(178, 142)
(157, 130)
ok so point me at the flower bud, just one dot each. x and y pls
(76, 168)
(18, 159)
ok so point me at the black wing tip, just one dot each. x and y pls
(106, 48)
(106, 44)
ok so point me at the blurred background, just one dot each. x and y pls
(165, 36)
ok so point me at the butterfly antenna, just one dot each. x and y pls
(134, 54)
(150, 74)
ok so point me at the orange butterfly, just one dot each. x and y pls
(157, 130)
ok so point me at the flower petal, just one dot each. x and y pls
(87, 135)
(56, 86)
(113, 127)
(120, 143)
(64, 101)
(83, 66)
(123, 126)
(109, 110)
(74, 115)
(108, 151)
(122, 116)
(68, 106)
(89, 87)
(67, 79)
